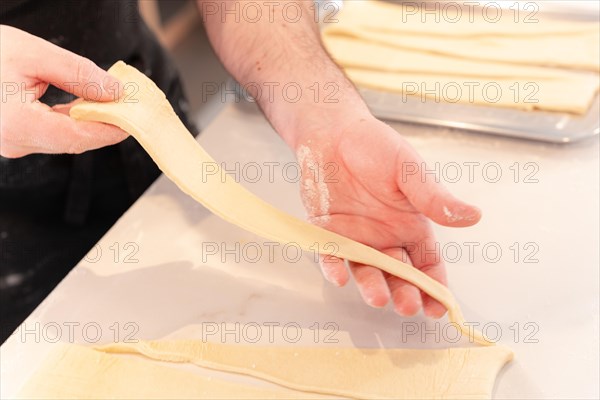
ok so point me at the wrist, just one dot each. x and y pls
(297, 122)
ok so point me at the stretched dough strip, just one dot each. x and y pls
(455, 373)
(145, 113)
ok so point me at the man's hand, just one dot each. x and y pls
(28, 65)
(360, 180)
(362, 190)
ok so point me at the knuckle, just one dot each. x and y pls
(85, 70)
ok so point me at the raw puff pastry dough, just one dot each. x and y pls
(433, 59)
(455, 373)
(410, 18)
(78, 372)
(574, 51)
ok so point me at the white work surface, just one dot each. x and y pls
(175, 289)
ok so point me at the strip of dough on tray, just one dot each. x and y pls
(579, 51)
(570, 96)
(468, 69)
(359, 53)
(420, 18)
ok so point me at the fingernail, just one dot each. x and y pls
(469, 213)
(335, 280)
(372, 301)
(405, 311)
(332, 275)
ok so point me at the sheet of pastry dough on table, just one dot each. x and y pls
(454, 373)
(176, 368)
(78, 372)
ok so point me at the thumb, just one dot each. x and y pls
(105, 134)
(73, 73)
(432, 199)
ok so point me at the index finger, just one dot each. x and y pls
(70, 72)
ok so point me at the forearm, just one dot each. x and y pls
(275, 52)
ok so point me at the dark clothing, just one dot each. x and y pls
(54, 208)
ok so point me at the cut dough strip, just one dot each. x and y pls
(455, 373)
(572, 96)
(397, 47)
(408, 18)
(577, 51)
(452, 79)
(145, 113)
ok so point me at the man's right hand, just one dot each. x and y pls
(28, 65)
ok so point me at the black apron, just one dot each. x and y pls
(54, 208)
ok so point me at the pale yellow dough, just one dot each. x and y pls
(386, 68)
(359, 52)
(538, 94)
(409, 18)
(455, 373)
(579, 51)
(78, 372)
(392, 50)
(145, 113)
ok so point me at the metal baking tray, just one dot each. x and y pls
(536, 125)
